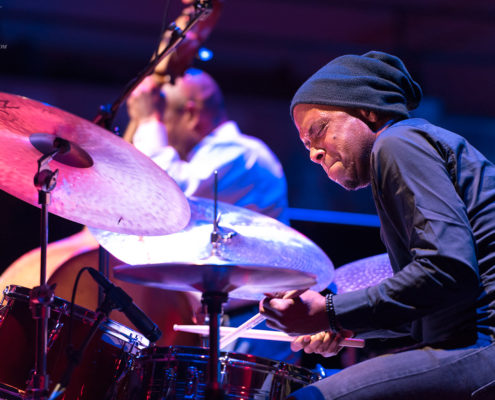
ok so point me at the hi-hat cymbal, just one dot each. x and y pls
(103, 181)
(249, 241)
(241, 281)
(362, 273)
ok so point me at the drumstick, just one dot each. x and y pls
(258, 334)
(253, 321)
(237, 332)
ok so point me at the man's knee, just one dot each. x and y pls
(306, 393)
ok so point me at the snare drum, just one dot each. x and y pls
(180, 372)
(106, 361)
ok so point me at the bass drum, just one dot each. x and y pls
(164, 307)
(179, 372)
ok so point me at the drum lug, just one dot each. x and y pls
(58, 324)
(192, 383)
(169, 380)
(280, 385)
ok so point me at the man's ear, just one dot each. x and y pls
(369, 115)
(371, 119)
(190, 108)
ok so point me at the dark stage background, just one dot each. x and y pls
(77, 56)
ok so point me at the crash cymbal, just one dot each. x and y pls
(248, 239)
(103, 181)
(362, 273)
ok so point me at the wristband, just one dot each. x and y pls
(332, 319)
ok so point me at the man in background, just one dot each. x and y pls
(185, 129)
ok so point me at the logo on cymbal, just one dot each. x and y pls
(4, 104)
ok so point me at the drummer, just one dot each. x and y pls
(435, 196)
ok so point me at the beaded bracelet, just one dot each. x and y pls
(332, 320)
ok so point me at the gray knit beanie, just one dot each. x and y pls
(374, 81)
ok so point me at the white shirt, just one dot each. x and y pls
(249, 174)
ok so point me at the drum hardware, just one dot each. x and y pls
(192, 382)
(213, 301)
(225, 265)
(41, 297)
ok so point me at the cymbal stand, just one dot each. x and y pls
(41, 297)
(213, 301)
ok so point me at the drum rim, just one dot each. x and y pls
(168, 353)
(108, 326)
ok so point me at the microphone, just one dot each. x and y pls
(125, 304)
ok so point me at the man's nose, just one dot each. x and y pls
(316, 155)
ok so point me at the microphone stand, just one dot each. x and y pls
(107, 113)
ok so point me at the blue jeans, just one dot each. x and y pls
(421, 374)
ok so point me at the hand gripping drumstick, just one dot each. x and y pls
(258, 318)
(252, 322)
(257, 334)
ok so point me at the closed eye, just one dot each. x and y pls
(317, 129)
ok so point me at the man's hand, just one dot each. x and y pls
(146, 102)
(326, 343)
(182, 58)
(301, 315)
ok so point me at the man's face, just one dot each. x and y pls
(340, 142)
(177, 117)
(174, 116)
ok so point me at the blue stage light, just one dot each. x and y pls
(205, 54)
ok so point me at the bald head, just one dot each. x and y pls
(194, 108)
(200, 88)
